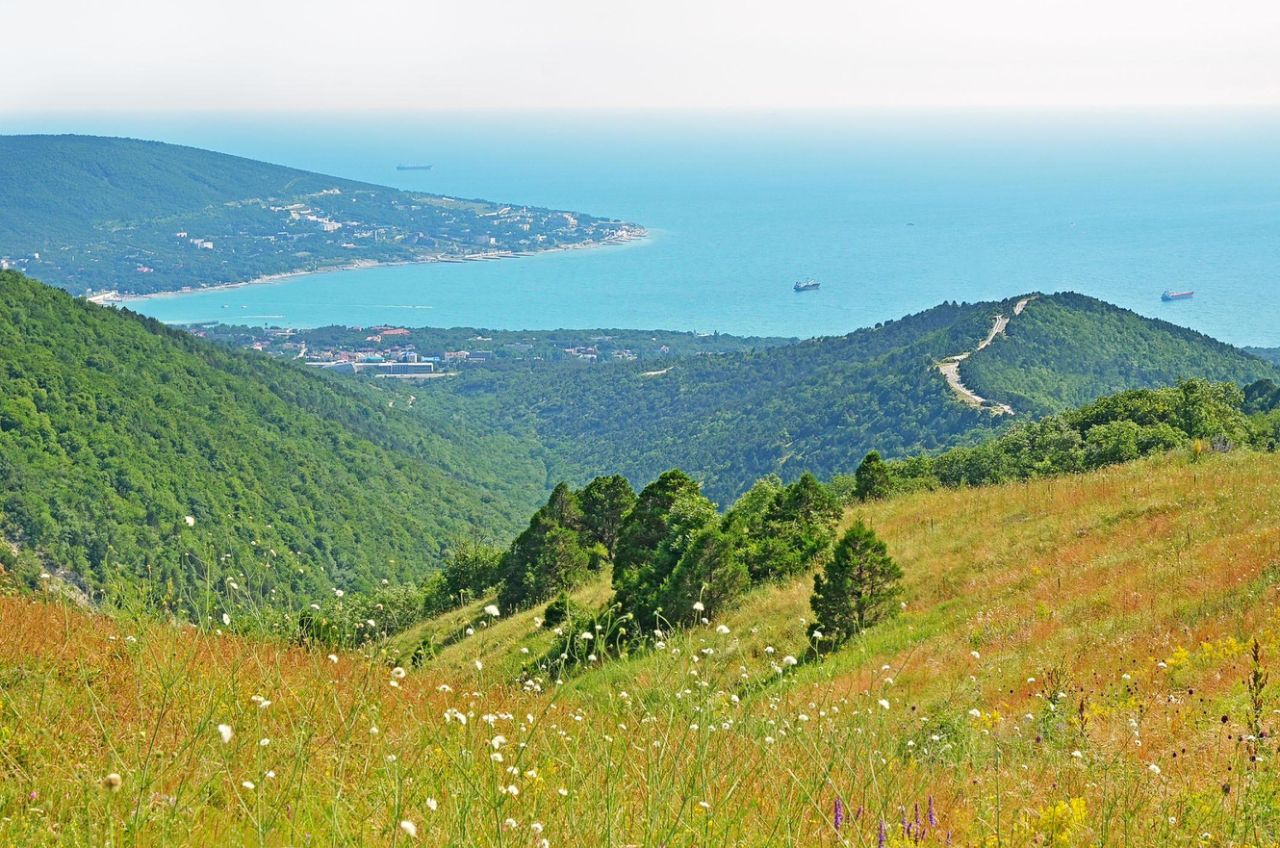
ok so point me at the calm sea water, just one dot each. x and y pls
(893, 213)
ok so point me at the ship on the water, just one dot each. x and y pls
(1177, 295)
(413, 167)
(807, 285)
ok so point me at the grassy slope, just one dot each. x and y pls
(1085, 584)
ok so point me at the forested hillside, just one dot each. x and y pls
(1066, 349)
(820, 405)
(140, 216)
(139, 459)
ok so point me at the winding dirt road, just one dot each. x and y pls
(950, 367)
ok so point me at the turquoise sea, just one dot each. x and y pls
(892, 212)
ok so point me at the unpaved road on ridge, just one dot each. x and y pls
(950, 367)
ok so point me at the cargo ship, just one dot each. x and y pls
(413, 167)
(1177, 295)
(807, 285)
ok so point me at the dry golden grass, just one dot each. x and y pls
(1069, 670)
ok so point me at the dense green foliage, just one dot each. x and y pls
(83, 212)
(114, 430)
(573, 534)
(821, 405)
(871, 480)
(857, 588)
(1113, 429)
(815, 405)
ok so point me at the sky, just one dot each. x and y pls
(70, 56)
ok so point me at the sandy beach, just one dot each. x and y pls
(360, 264)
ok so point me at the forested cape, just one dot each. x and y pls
(141, 216)
(139, 459)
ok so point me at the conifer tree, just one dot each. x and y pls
(858, 588)
(871, 480)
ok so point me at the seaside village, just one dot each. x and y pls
(391, 352)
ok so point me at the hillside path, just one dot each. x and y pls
(950, 367)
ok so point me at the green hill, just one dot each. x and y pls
(84, 212)
(820, 405)
(114, 429)
(1067, 349)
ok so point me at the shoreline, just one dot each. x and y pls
(115, 297)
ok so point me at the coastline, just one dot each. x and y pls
(115, 297)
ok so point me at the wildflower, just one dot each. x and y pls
(722, 629)
(226, 620)
(492, 610)
(248, 784)
(333, 658)
(698, 607)
(398, 673)
(789, 660)
(190, 520)
(883, 838)
(112, 782)
(1077, 755)
(562, 792)
(975, 712)
(975, 655)
(410, 828)
(511, 824)
(338, 593)
(431, 804)
(884, 703)
(838, 816)
(933, 817)
(1153, 768)
(536, 827)
(264, 742)
(479, 665)
(224, 730)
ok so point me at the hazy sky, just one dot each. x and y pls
(136, 55)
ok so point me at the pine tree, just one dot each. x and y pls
(871, 480)
(857, 589)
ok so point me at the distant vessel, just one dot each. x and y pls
(1177, 295)
(413, 167)
(807, 285)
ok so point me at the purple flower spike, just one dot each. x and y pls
(883, 839)
(933, 818)
(838, 818)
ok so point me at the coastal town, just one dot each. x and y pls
(426, 353)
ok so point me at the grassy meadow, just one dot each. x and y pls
(1074, 666)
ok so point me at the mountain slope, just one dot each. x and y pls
(1067, 349)
(141, 216)
(1070, 669)
(820, 405)
(114, 429)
